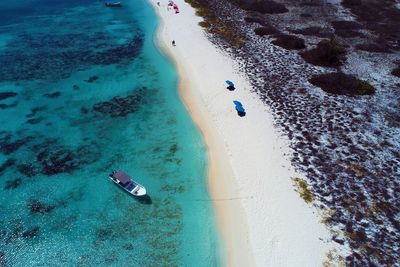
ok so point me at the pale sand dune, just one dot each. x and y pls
(262, 220)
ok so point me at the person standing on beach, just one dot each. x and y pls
(173, 42)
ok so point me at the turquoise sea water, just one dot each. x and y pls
(83, 91)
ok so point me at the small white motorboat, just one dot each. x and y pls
(125, 181)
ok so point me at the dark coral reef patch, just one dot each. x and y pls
(28, 169)
(52, 95)
(8, 145)
(35, 120)
(52, 60)
(55, 158)
(12, 184)
(5, 165)
(34, 111)
(35, 206)
(122, 106)
(56, 161)
(5, 106)
(92, 79)
(396, 72)
(5, 95)
(31, 233)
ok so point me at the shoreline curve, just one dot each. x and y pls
(262, 221)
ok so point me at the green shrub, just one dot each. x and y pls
(214, 25)
(351, 2)
(195, 3)
(290, 42)
(229, 34)
(364, 88)
(328, 53)
(265, 30)
(265, 6)
(254, 20)
(204, 24)
(302, 188)
(314, 31)
(205, 13)
(374, 47)
(396, 71)
(339, 83)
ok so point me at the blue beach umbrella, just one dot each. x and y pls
(240, 109)
(237, 103)
(229, 83)
(238, 106)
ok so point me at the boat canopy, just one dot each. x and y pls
(122, 177)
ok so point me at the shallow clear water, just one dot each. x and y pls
(83, 91)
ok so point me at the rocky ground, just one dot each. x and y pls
(344, 132)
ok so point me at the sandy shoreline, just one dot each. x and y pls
(261, 219)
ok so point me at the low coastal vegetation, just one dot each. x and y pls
(213, 24)
(263, 6)
(357, 169)
(252, 19)
(265, 30)
(396, 71)
(339, 83)
(314, 31)
(383, 23)
(334, 259)
(328, 53)
(204, 24)
(289, 42)
(351, 2)
(374, 47)
(302, 188)
(347, 29)
(392, 119)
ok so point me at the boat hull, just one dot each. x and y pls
(137, 191)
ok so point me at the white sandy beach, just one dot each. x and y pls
(262, 220)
